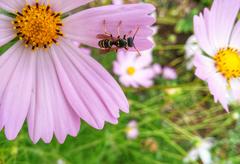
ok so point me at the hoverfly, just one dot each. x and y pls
(108, 42)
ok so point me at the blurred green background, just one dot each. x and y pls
(172, 116)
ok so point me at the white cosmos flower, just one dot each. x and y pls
(202, 151)
(218, 33)
(191, 48)
(134, 70)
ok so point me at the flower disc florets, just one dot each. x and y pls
(38, 26)
(227, 62)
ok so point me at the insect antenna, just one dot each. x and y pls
(139, 54)
(136, 33)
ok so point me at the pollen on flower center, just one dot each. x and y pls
(38, 25)
(227, 62)
(131, 71)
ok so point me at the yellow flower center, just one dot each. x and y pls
(131, 71)
(129, 129)
(227, 62)
(38, 25)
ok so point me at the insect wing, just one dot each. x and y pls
(103, 36)
(107, 50)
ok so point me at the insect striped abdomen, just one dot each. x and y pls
(105, 43)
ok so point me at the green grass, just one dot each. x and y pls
(173, 121)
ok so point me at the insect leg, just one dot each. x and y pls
(139, 54)
(118, 29)
(129, 33)
(105, 28)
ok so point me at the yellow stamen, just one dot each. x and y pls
(38, 26)
(227, 62)
(131, 71)
(129, 129)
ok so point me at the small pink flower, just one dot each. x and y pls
(56, 86)
(157, 69)
(169, 73)
(135, 70)
(218, 35)
(132, 131)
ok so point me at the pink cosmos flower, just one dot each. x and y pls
(169, 73)
(218, 34)
(57, 84)
(134, 70)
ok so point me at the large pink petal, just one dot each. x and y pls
(6, 30)
(235, 39)
(58, 5)
(67, 5)
(12, 5)
(202, 34)
(8, 63)
(222, 17)
(50, 113)
(219, 89)
(205, 67)
(213, 28)
(90, 90)
(16, 96)
(82, 26)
